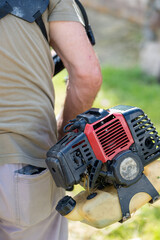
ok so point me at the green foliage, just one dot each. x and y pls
(145, 225)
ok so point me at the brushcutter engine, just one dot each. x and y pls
(108, 147)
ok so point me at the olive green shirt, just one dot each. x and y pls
(27, 120)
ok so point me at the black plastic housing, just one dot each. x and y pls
(69, 158)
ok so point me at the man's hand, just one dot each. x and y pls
(71, 43)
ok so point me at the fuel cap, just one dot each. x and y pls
(65, 205)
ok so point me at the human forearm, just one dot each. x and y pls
(80, 95)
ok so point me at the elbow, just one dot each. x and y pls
(90, 78)
(93, 80)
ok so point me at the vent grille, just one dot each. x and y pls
(147, 136)
(112, 137)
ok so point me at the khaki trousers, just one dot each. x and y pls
(27, 206)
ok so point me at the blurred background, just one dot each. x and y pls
(128, 48)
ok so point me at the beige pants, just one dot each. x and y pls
(27, 206)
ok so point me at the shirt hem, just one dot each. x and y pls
(19, 158)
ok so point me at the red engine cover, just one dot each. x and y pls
(109, 136)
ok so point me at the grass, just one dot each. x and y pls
(130, 87)
(126, 87)
(145, 225)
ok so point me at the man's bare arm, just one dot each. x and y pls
(71, 43)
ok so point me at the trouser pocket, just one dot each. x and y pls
(26, 199)
(34, 197)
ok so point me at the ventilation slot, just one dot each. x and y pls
(88, 154)
(147, 136)
(112, 137)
